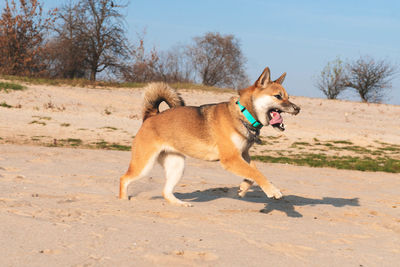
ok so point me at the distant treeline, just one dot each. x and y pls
(366, 76)
(84, 38)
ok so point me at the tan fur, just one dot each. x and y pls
(155, 93)
(210, 132)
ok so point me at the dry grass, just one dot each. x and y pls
(7, 86)
(382, 157)
(104, 84)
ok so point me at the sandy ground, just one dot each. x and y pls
(59, 206)
(46, 113)
(56, 211)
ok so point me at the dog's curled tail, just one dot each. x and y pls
(157, 92)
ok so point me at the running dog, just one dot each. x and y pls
(223, 131)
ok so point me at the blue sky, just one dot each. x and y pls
(297, 37)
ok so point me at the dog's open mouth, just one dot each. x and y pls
(275, 119)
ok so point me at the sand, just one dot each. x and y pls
(59, 206)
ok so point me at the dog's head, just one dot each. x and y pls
(270, 99)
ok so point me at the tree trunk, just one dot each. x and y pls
(93, 75)
(363, 96)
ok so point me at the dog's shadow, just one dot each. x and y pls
(286, 205)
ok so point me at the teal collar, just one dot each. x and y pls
(255, 123)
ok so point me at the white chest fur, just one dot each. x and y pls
(239, 141)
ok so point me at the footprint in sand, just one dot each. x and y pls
(50, 251)
(2, 169)
(167, 214)
(68, 200)
(181, 257)
(14, 203)
(10, 169)
(195, 255)
(68, 215)
(40, 160)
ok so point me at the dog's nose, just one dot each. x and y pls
(296, 109)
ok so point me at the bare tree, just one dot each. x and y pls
(173, 65)
(101, 27)
(332, 79)
(141, 67)
(168, 66)
(218, 60)
(22, 34)
(66, 51)
(370, 78)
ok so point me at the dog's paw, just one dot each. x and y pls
(273, 192)
(241, 193)
(244, 187)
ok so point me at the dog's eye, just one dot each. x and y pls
(278, 97)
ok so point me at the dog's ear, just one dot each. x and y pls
(281, 79)
(264, 79)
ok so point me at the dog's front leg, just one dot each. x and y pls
(233, 162)
(247, 183)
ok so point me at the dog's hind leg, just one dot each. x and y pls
(244, 187)
(174, 164)
(140, 165)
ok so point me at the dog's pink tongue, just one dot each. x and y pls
(276, 118)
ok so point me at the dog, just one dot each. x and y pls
(214, 132)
